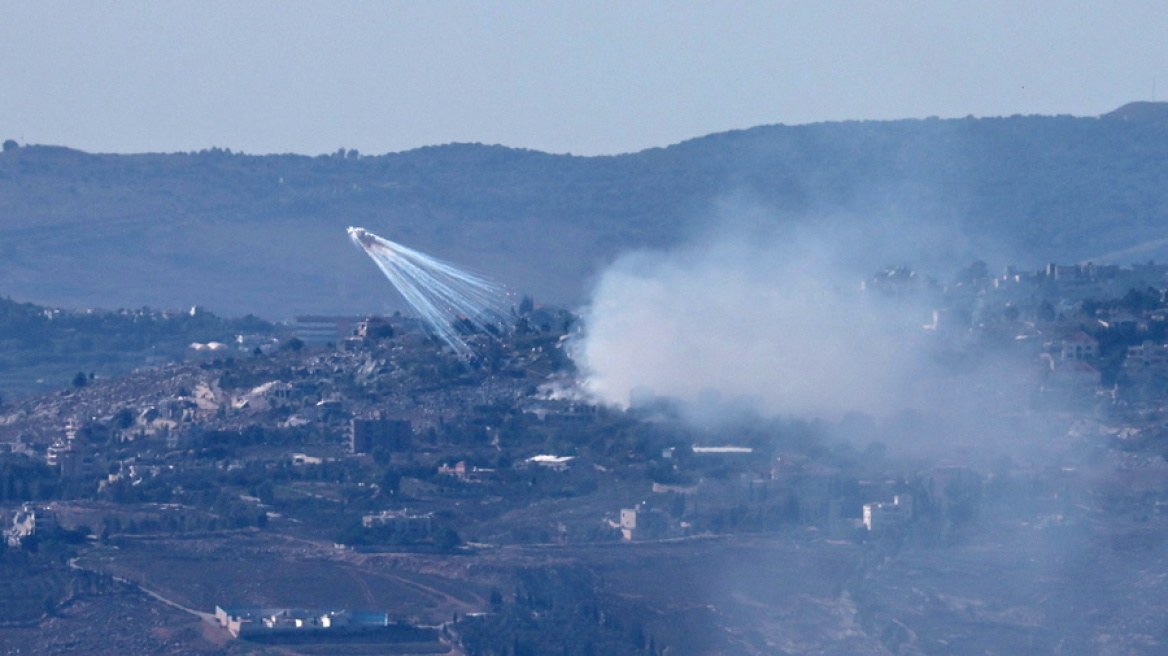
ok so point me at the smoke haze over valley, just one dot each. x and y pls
(806, 404)
(752, 316)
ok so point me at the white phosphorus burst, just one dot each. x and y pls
(444, 296)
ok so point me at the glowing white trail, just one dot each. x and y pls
(439, 292)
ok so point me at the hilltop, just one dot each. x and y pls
(265, 234)
(487, 511)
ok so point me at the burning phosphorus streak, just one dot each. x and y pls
(444, 296)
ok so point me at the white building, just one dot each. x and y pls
(402, 523)
(642, 523)
(882, 516)
(252, 620)
(554, 463)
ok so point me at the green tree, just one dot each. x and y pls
(447, 539)
(1046, 312)
(124, 418)
(390, 481)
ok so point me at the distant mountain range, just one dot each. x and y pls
(265, 234)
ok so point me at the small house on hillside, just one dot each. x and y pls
(1077, 347)
(643, 523)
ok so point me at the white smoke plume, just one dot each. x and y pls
(773, 319)
(447, 298)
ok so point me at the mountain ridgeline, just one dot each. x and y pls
(265, 234)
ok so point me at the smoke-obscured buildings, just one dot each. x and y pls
(885, 516)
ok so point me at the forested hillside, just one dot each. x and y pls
(265, 234)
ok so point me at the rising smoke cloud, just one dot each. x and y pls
(772, 318)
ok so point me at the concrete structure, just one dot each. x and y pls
(303, 459)
(884, 516)
(643, 523)
(249, 343)
(722, 450)
(374, 328)
(1122, 322)
(28, 521)
(466, 473)
(256, 620)
(1078, 347)
(1148, 358)
(1073, 376)
(401, 523)
(662, 488)
(73, 456)
(554, 463)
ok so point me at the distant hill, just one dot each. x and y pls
(265, 234)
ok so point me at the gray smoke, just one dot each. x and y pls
(773, 318)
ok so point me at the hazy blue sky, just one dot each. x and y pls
(583, 77)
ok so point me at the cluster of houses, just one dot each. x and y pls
(245, 621)
(807, 493)
(1073, 364)
(1128, 305)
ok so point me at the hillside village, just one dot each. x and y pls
(357, 442)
